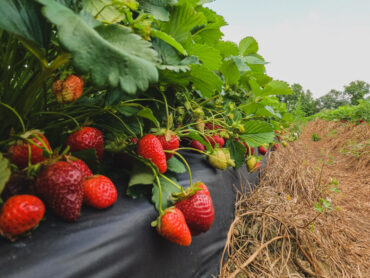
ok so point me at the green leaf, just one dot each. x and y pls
(141, 174)
(23, 18)
(108, 14)
(258, 133)
(319, 208)
(209, 56)
(114, 96)
(237, 152)
(90, 157)
(4, 172)
(168, 39)
(147, 113)
(183, 19)
(167, 190)
(252, 60)
(227, 48)
(247, 46)
(276, 87)
(127, 111)
(111, 54)
(176, 166)
(205, 80)
(157, 8)
(256, 88)
(230, 72)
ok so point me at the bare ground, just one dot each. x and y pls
(278, 233)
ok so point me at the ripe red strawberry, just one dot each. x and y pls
(275, 147)
(197, 145)
(80, 165)
(18, 152)
(212, 126)
(216, 139)
(60, 185)
(198, 211)
(172, 226)
(99, 192)
(19, 214)
(87, 138)
(169, 143)
(133, 140)
(151, 148)
(262, 150)
(204, 188)
(69, 90)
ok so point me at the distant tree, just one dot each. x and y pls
(332, 100)
(357, 90)
(300, 98)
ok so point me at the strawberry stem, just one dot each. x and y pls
(192, 149)
(15, 113)
(167, 114)
(187, 166)
(62, 114)
(122, 122)
(172, 182)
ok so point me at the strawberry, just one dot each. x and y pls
(255, 168)
(212, 126)
(80, 165)
(248, 151)
(284, 143)
(262, 150)
(220, 158)
(198, 210)
(172, 226)
(203, 188)
(197, 145)
(251, 163)
(87, 138)
(69, 90)
(60, 185)
(275, 147)
(169, 142)
(151, 148)
(19, 214)
(99, 192)
(216, 139)
(18, 152)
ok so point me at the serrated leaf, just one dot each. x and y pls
(256, 88)
(175, 165)
(106, 13)
(111, 54)
(23, 18)
(258, 133)
(182, 20)
(4, 172)
(239, 62)
(206, 81)
(168, 39)
(227, 48)
(157, 8)
(147, 113)
(90, 157)
(237, 152)
(209, 56)
(141, 174)
(276, 87)
(247, 46)
(230, 72)
(167, 190)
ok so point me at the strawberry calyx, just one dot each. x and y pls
(188, 192)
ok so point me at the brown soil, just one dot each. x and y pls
(278, 233)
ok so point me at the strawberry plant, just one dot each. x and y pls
(135, 82)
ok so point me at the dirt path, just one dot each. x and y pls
(278, 233)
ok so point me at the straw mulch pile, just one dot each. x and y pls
(278, 233)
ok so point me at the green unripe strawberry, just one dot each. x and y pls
(284, 143)
(251, 162)
(198, 112)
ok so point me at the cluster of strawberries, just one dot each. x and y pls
(64, 182)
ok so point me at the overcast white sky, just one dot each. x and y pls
(321, 44)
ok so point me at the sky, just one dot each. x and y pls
(320, 44)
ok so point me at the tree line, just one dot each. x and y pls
(307, 105)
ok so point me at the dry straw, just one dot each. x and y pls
(277, 232)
